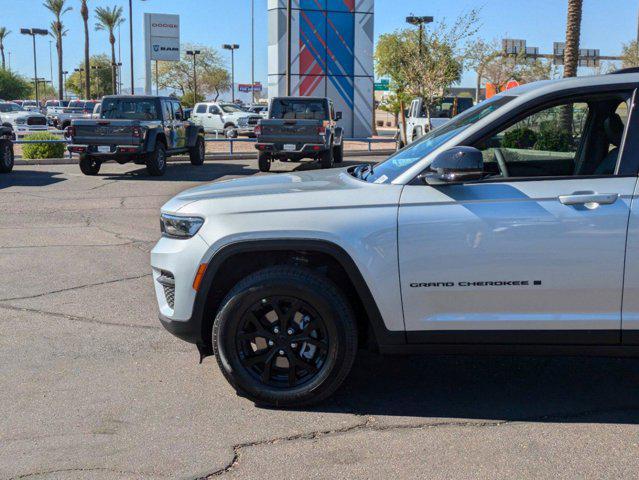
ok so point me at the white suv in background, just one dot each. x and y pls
(217, 117)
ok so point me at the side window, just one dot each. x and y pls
(177, 109)
(166, 110)
(568, 139)
(214, 110)
(201, 108)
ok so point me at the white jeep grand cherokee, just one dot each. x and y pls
(514, 228)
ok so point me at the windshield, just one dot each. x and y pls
(9, 107)
(401, 161)
(129, 109)
(231, 108)
(76, 104)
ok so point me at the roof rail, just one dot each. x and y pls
(626, 70)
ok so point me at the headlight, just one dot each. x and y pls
(21, 120)
(174, 226)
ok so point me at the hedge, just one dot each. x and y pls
(43, 150)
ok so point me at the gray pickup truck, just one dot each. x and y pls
(297, 128)
(142, 129)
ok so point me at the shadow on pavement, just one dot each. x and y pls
(30, 178)
(538, 389)
(183, 172)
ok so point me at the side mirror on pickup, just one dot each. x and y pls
(338, 116)
(455, 165)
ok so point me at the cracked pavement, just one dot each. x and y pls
(91, 386)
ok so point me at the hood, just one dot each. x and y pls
(291, 191)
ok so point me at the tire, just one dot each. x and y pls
(263, 162)
(338, 153)
(322, 325)
(88, 165)
(326, 158)
(230, 131)
(156, 161)
(197, 152)
(6, 156)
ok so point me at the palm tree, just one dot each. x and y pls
(3, 34)
(573, 30)
(108, 20)
(84, 11)
(58, 8)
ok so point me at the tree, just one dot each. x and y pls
(478, 56)
(58, 8)
(425, 68)
(84, 12)
(109, 20)
(393, 103)
(630, 55)
(100, 78)
(500, 68)
(573, 31)
(212, 76)
(3, 34)
(13, 86)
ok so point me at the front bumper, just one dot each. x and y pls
(179, 259)
(22, 129)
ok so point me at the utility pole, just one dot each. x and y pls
(232, 47)
(64, 83)
(131, 45)
(51, 60)
(289, 21)
(253, 50)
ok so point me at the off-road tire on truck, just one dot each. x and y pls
(89, 165)
(6, 156)
(338, 153)
(263, 162)
(326, 158)
(315, 332)
(156, 160)
(197, 152)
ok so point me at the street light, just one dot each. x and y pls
(193, 53)
(232, 47)
(116, 72)
(33, 32)
(419, 22)
(97, 69)
(131, 44)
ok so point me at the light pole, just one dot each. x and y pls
(33, 32)
(289, 21)
(97, 72)
(232, 47)
(193, 53)
(131, 45)
(419, 22)
(253, 51)
(51, 59)
(80, 71)
(116, 71)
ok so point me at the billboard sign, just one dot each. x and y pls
(246, 87)
(161, 41)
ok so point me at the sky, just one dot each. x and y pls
(606, 25)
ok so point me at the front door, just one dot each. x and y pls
(214, 122)
(169, 124)
(534, 253)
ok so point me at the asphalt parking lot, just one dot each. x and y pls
(91, 386)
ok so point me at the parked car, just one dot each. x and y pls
(21, 121)
(52, 107)
(6, 150)
(218, 117)
(142, 129)
(298, 128)
(259, 110)
(417, 120)
(31, 106)
(513, 228)
(75, 109)
(246, 125)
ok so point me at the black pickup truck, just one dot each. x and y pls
(297, 128)
(6, 150)
(142, 129)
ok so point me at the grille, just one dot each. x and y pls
(36, 121)
(254, 120)
(167, 281)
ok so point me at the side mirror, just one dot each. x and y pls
(338, 115)
(455, 165)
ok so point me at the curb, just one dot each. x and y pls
(214, 157)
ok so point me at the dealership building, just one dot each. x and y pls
(331, 56)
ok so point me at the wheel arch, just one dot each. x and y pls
(154, 137)
(236, 260)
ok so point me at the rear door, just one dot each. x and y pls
(169, 124)
(532, 254)
(179, 124)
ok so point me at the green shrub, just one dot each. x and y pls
(519, 138)
(554, 140)
(43, 150)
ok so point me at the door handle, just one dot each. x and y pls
(589, 199)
